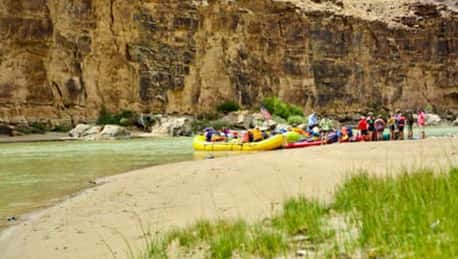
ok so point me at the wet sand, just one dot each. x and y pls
(97, 222)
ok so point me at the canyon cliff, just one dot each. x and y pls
(62, 60)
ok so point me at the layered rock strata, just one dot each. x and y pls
(62, 60)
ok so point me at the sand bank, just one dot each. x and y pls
(96, 223)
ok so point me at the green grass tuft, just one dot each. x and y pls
(267, 243)
(301, 216)
(229, 237)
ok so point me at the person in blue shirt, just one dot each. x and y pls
(312, 121)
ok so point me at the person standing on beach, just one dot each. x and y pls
(326, 127)
(379, 127)
(362, 127)
(371, 126)
(421, 121)
(391, 123)
(400, 124)
(312, 121)
(410, 122)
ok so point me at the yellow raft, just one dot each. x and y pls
(271, 143)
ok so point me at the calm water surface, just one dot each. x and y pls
(33, 175)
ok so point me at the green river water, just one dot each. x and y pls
(34, 175)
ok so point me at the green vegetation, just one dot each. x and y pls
(228, 106)
(301, 216)
(62, 128)
(410, 216)
(413, 214)
(33, 128)
(38, 127)
(124, 118)
(277, 107)
(268, 239)
(296, 120)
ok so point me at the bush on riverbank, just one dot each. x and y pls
(227, 107)
(282, 109)
(123, 118)
(412, 215)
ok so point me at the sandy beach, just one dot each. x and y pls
(104, 221)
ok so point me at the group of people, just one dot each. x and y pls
(369, 128)
(372, 128)
(252, 135)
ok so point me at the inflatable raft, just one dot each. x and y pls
(271, 143)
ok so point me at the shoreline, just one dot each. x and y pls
(179, 193)
(35, 138)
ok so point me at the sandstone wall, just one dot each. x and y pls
(62, 60)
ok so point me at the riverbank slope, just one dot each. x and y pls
(98, 222)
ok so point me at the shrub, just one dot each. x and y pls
(199, 125)
(228, 106)
(33, 128)
(277, 107)
(39, 127)
(295, 110)
(296, 120)
(62, 128)
(124, 118)
(106, 117)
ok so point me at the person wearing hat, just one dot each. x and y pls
(208, 134)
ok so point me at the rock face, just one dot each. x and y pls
(172, 126)
(91, 132)
(65, 59)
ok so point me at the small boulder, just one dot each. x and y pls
(114, 131)
(173, 126)
(432, 119)
(270, 124)
(455, 123)
(79, 130)
(239, 119)
(92, 131)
